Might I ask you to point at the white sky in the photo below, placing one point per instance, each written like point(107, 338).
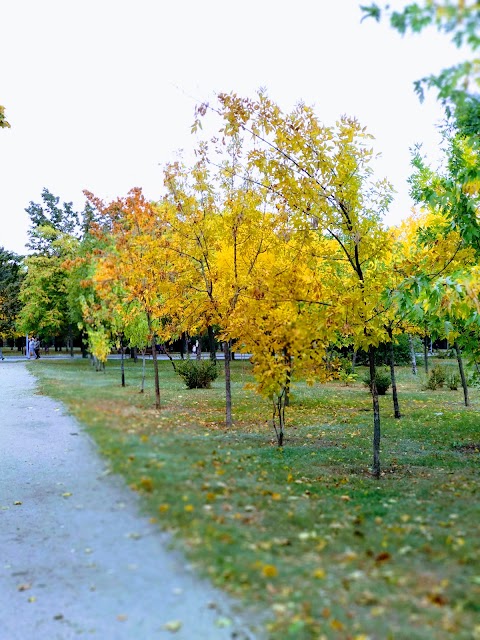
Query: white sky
point(100, 93)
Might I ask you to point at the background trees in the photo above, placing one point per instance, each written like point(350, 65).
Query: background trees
point(11, 276)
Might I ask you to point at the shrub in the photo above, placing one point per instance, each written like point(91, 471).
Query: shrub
point(436, 378)
point(197, 374)
point(453, 380)
point(382, 381)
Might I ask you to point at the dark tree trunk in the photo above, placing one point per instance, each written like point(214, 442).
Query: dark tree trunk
point(155, 363)
point(396, 405)
point(122, 360)
point(279, 404)
point(425, 353)
point(288, 360)
point(462, 373)
point(211, 343)
point(142, 388)
point(354, 360)
point(376, 414)
point(70, 338)
point(413, 357)
point(228, 385)
point(183, 346)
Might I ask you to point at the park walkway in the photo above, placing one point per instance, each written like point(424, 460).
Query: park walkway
point(77, 558)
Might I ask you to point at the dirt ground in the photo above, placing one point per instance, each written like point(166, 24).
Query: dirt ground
point(78, 560)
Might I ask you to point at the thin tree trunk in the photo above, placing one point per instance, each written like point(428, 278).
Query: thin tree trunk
point(211, 343)
point(425, 353)
point(413, 357)
point(144, 351)
point(70, 337)
point(288, 360)
point(279, 411)
point(228, 385)
point(198, 352)
point(396, 405)
point(376, 414)
point(155, 363)
point(122, 360)
point(354, 360)
point(462, 373)
point(183, 346)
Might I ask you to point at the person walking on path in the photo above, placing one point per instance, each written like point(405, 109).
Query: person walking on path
point(31, 347)
point(77, 558)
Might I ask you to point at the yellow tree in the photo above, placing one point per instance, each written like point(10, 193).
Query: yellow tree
point(322, 178)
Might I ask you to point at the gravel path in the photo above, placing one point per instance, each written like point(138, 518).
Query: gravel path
point(77, 560)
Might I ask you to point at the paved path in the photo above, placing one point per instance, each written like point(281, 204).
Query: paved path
point(76, 558)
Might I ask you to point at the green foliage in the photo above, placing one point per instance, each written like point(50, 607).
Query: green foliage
point(197, 374)
point(11, 276)
point(382, 381)
point(346, 374)
point(452, 380)
point(436, 378)
point(4, 124)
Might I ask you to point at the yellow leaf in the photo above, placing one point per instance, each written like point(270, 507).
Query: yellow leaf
point(269, 570)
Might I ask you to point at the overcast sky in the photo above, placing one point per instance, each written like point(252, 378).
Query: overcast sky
point(100, 93)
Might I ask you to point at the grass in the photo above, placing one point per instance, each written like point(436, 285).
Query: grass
point(304, 533)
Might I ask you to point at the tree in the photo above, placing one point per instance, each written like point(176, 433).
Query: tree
point(460, 21)
point(11, 276)
point(50, 306)
point(4, 124)
point(129, 259)
point(320, 177)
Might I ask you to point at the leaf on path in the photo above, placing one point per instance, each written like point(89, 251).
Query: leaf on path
point(223, 622)
point(122, 617)
point(67, 494)
point(173, 626)
point(24, 587)
point(17, 502)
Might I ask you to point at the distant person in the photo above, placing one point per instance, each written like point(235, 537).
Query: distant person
point(36, 347)
point(31, 347)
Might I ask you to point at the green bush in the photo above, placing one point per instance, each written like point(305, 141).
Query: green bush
point(453, 380)
point(436, 378)
point(197, 374)
point(382, 381)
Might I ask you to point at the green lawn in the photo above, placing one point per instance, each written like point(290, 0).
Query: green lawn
point(304, 533)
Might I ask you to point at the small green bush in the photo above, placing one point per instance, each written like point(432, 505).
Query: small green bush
point(436, 378)
point(453, 380)
point(197, 374)
point(382, 381)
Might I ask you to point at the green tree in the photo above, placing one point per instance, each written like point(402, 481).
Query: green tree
point(4, 124)
point(11, 276)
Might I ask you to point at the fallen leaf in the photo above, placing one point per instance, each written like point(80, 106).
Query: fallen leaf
point(173, 626)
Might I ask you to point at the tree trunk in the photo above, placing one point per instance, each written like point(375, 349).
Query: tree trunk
point(354, 360)
point(70, 337)
point(462, 373)
point(279, 412)
point(122, 360)
point(228, 386)
point(288, 360)
point(396, 405)
point(413, 357)
point(211, 343)
point(376, 414)
point(142, 388)
point(198, 352)
point(425, 353)
point(155, 363)
point(183, 346)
